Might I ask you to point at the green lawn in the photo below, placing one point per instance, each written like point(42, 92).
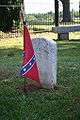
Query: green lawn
point(60, 104)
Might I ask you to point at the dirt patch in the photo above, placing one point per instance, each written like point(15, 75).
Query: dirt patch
point(34, 86)
point(28, 87)
point(11, 54)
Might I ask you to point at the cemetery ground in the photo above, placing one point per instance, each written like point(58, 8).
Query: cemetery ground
point(60, 104)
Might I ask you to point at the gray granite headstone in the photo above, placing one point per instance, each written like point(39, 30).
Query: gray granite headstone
point(46, 56)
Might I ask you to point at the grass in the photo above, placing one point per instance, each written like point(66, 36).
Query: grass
point(60, 104)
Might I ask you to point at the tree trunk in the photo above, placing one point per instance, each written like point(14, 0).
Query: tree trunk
point(56, 13)
point(66, 11)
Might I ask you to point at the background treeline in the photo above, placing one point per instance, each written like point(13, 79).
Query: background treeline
point(49, 18)
point(40, 18)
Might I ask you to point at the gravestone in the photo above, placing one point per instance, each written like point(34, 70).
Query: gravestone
point(46, 55)
point(63, 31)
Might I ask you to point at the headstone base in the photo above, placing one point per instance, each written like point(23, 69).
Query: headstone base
point(63, 36)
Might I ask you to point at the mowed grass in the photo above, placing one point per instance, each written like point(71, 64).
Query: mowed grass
point(60, 104)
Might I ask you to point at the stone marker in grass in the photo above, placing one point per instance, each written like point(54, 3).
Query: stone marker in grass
point(46, 56)
point(39, 60)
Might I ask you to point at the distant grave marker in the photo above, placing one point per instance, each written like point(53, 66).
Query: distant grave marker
point(63, 31)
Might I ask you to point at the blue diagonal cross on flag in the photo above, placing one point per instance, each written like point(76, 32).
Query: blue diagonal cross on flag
point(28, 66)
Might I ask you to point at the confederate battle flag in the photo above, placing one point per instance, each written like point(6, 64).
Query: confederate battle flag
point(29, 66)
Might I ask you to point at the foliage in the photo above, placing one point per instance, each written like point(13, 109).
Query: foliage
point(40, 18)
point(9, 14)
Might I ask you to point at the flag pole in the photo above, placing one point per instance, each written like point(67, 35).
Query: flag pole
point(22, 14)
point(29, 66)
point(22, 18)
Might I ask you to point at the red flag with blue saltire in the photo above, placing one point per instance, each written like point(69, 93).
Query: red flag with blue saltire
point(29, 67)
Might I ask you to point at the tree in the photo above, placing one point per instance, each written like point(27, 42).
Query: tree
point(66, 10)
point(8, 14)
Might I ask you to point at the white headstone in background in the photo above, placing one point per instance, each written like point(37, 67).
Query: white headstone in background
point(46, 56)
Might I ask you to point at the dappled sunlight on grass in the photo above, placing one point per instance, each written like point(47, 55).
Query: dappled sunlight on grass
point(75, 35)
point(11, 43)
point(49, 35)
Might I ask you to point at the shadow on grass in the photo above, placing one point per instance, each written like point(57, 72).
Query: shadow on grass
point(10, 62)
point(10, 52)
point(70, 40)
point(75, 40)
